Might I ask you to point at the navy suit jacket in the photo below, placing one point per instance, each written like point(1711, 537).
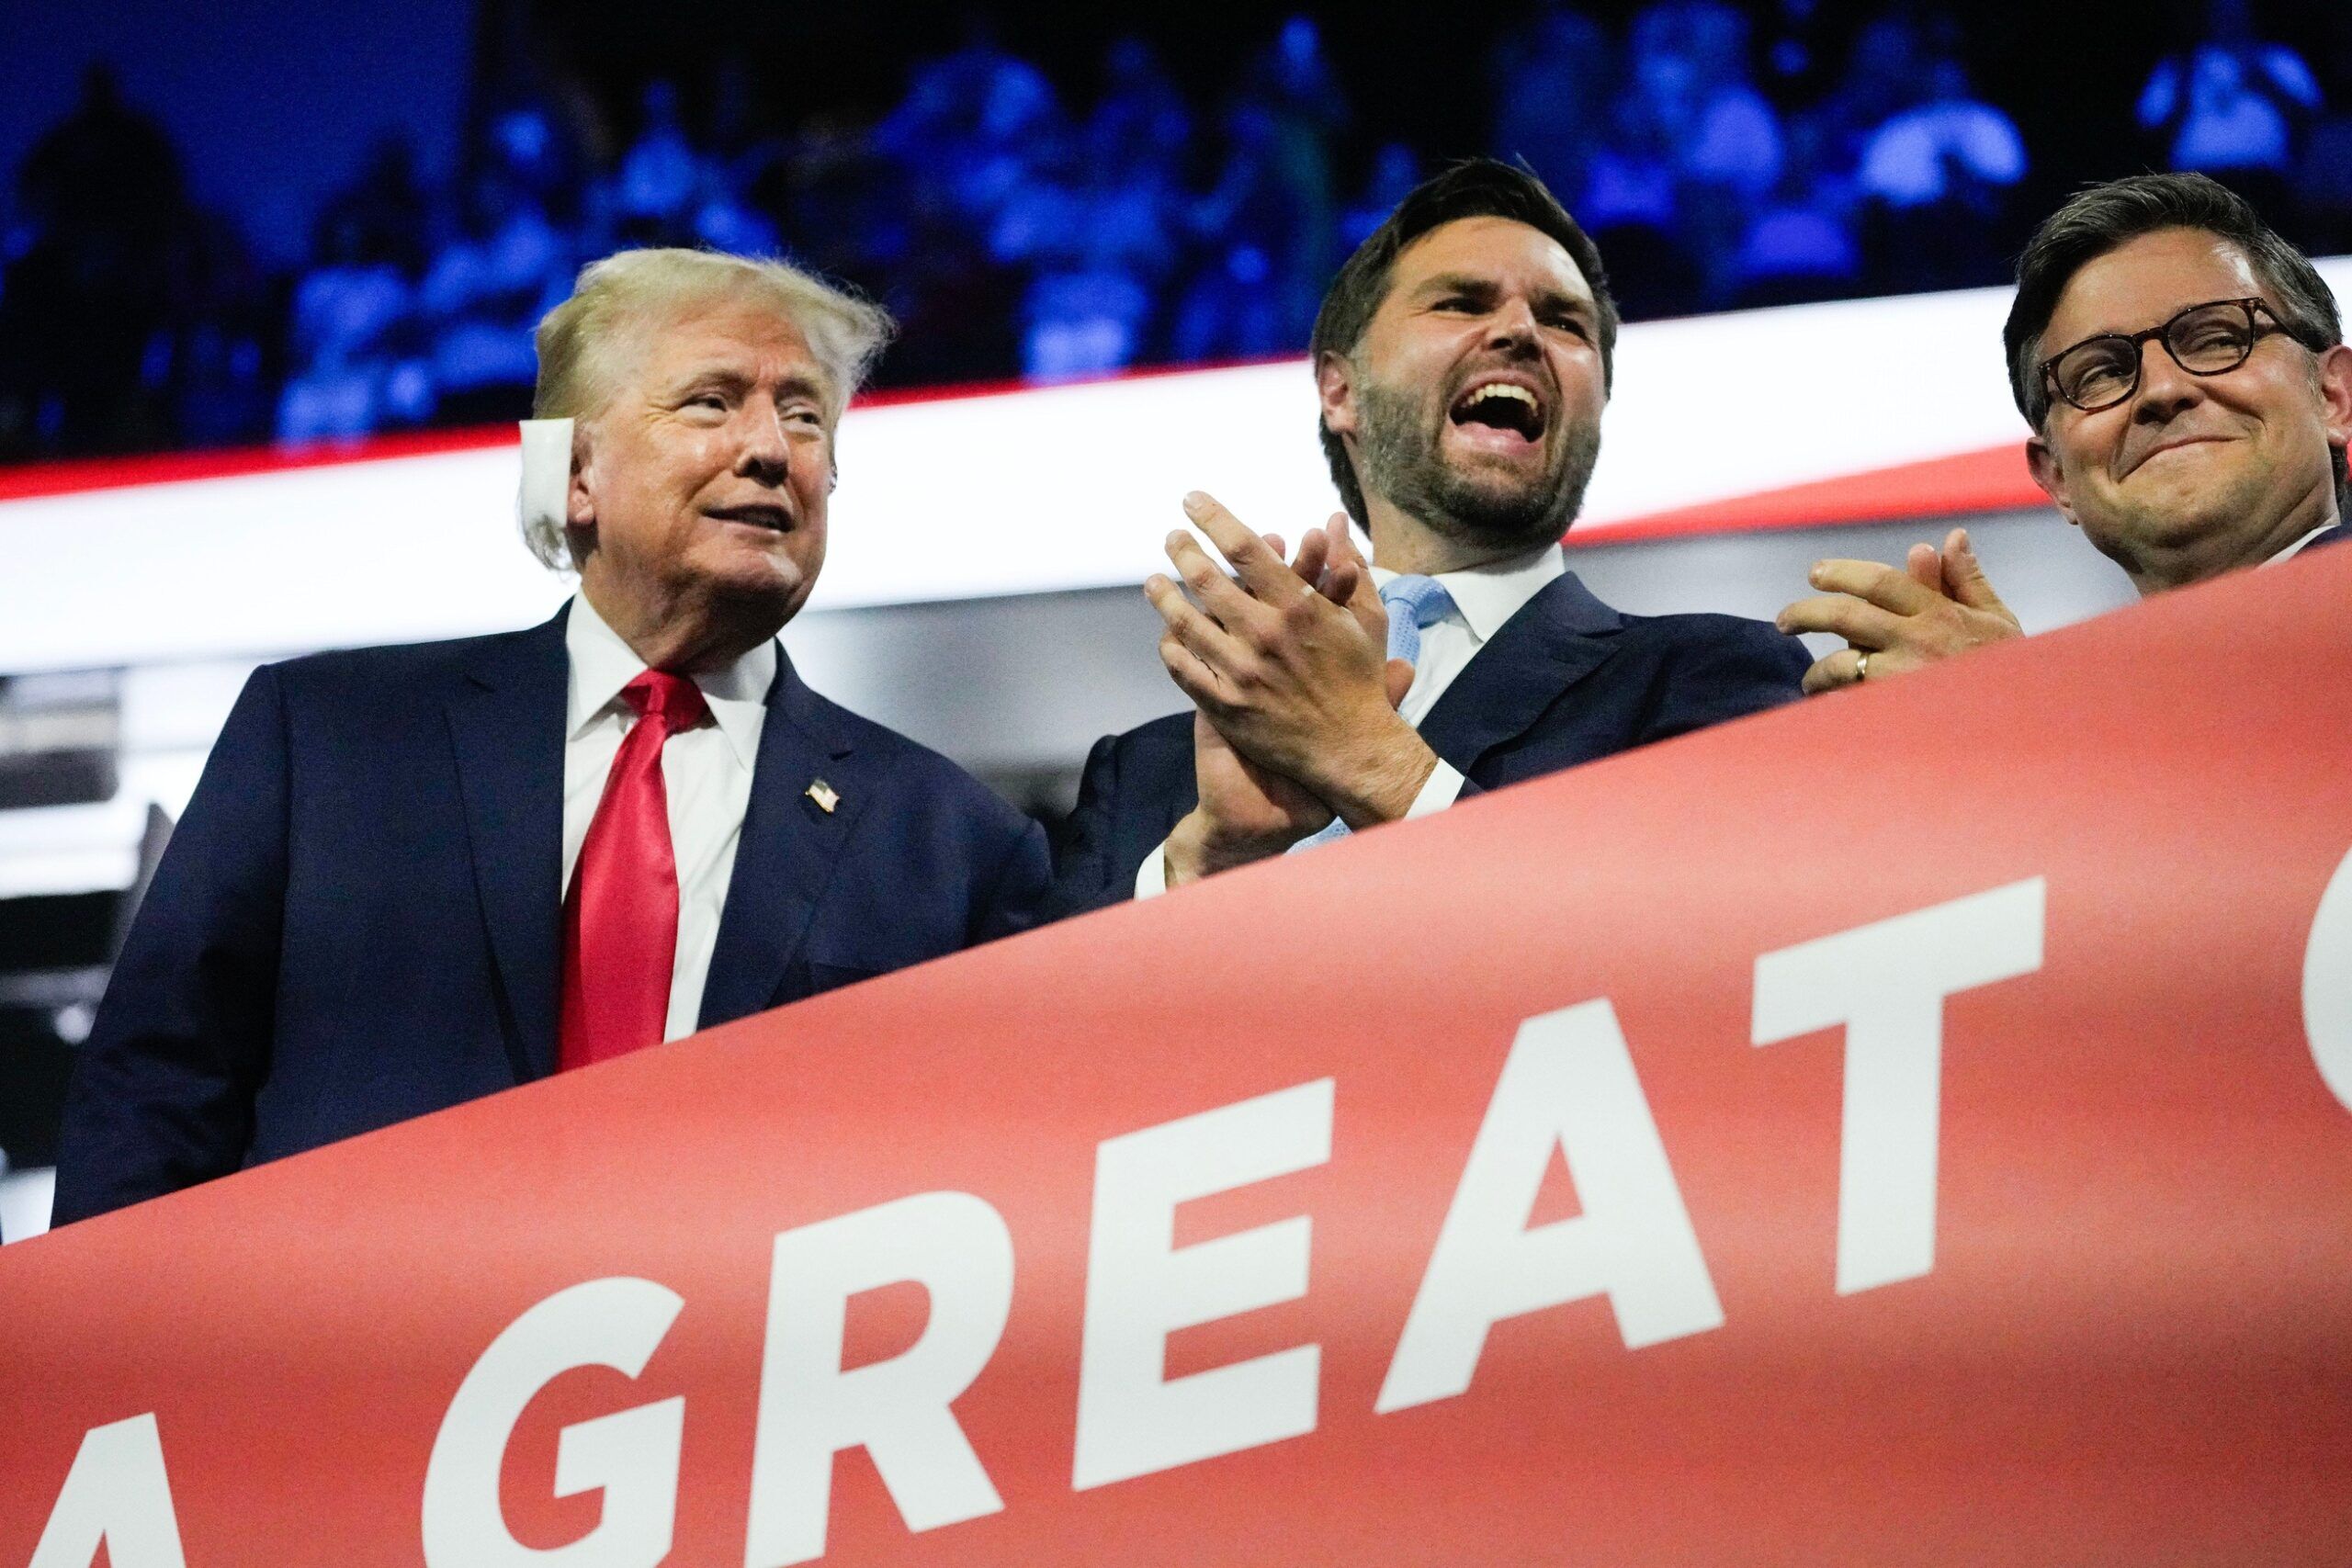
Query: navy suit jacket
point(358, 920)
point(1565, 681)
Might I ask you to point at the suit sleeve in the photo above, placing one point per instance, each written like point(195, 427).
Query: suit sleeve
point(162, 1095)
point(1013, 899)
point(1083, 876)
point(1744, 667)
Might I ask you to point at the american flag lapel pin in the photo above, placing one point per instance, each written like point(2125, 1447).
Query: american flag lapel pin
point(825, 796)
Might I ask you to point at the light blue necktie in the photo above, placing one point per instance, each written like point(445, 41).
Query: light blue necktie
point(1413, 602)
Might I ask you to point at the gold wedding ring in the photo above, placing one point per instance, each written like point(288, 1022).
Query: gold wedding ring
point(1862, 668)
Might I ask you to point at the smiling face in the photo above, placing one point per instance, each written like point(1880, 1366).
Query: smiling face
point(699, 492)
point(2191, 476)
point(1472, 403)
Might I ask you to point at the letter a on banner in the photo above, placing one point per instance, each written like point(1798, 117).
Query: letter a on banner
point(118, 1495)
point(958, 1250)
point(1886, 983)
point(1568, 1083)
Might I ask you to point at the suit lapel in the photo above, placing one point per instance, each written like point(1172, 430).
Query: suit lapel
point(1557, 640)
point(507, 730)
point(788, 849)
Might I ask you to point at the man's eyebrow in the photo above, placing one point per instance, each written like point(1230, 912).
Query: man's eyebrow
point(802, 385)
point(718, 376)
point(727, 379)
point(1478, 288)
point(1468, 283)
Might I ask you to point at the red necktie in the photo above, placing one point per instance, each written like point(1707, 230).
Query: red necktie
point(620, 921)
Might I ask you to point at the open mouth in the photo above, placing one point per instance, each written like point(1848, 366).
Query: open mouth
point(756, 514)
point(1512, 413)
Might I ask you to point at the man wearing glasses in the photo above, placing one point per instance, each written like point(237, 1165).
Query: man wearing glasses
point(2185, 373)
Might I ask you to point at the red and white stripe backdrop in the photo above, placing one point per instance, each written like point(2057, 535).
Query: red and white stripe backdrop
point(1807, 414)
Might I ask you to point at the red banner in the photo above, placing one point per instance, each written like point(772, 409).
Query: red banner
point(1913, 1127)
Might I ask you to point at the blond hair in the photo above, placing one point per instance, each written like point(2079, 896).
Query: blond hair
point(579, 341)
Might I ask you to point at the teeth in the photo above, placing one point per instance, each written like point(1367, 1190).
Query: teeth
point(1504, 389)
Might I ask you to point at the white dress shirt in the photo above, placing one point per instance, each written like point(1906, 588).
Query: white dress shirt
point(706, 773)
point(1483, 598)
point(2291, 551)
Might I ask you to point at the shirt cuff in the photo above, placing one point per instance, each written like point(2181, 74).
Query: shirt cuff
point(1440, 791)
point(1151, 877)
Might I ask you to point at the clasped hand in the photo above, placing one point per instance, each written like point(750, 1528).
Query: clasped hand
point(1938, 604)
point(1296, 700)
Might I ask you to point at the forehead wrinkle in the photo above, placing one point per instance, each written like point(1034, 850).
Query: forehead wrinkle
point(1455, 283)
point(733, 362)
point(2235, 277)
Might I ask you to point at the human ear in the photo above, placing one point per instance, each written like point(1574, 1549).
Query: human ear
point(2335, 394)
point(2051, 475)
point(1335, 389)
point(580, 498)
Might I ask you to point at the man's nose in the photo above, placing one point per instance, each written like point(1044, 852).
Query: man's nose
point(2164, 387)
point(1513, 326)
point(765, 454)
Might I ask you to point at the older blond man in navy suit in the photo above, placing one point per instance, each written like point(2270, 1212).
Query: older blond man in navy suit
point(415, 875)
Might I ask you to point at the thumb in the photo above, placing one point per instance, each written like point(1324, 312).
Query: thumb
point(1399, 676)
point(1964, 577)
point(1343, 543)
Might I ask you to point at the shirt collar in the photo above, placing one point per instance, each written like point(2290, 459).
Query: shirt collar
point(601, 664)
point(1486, 596)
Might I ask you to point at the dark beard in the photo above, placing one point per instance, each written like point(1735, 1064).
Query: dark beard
point(1401, 461)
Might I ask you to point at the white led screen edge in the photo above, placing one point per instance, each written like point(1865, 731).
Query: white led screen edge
point(966, 497)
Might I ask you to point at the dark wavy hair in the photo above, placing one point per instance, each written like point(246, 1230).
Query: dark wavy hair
point(1476, 188)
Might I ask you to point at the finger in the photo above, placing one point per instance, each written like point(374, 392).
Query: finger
point(1262, 572)
point(1218, 593)
point(1400, 677)
point(1192, 677)
point(1211, 643)
point(1340, 582)
point(1925, 567)
point(1314, 558)
point(1370, 613)
point(1343, 539)
point(1880, 585)
point(1343, 557)
point(1843, 668)
point(1840, 614)
point(1964, 576)
point(1274, 543)
point(1361, 598)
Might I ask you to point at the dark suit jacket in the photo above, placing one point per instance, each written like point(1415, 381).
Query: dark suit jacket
point(358, 920)
point(1565, 681)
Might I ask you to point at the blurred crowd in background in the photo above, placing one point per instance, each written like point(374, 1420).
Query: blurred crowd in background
point(1026, 219)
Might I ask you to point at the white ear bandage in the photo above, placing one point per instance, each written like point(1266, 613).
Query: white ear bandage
point(545, 495)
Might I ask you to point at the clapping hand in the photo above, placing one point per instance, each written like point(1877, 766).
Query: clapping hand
point(1940, 605)
point(1243, 657)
